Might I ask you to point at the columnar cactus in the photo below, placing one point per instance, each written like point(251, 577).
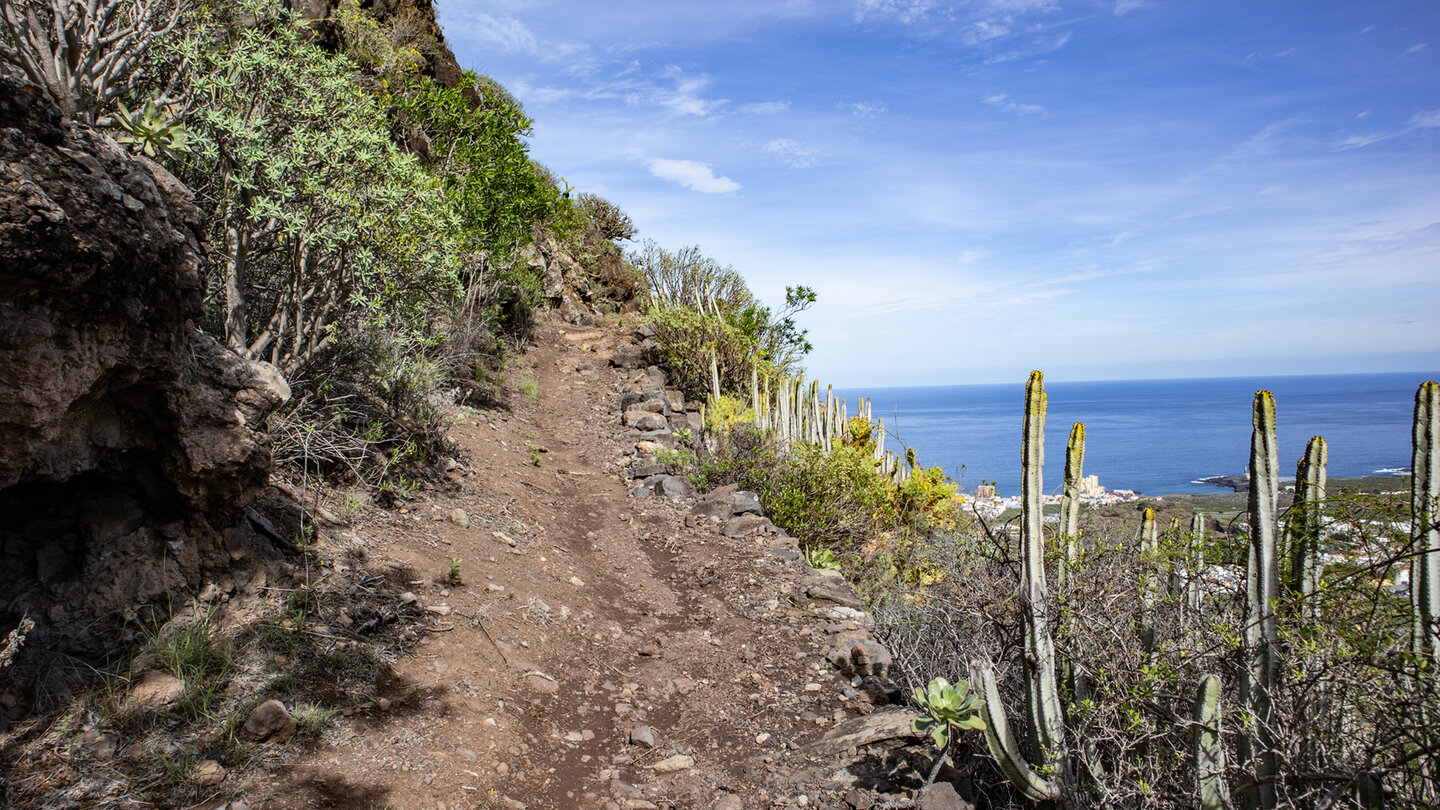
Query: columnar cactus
point(1003, 746)
point(1209, 749)
point(1303, 528)
point(1042, 692)
point(1070, 502)
point(1425, 520)
point(755, 404)
point(1262, 583)
point(714, 377)
point(1149, 554)
point(1195, 560)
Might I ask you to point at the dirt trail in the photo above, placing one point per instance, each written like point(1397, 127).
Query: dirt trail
point(608, 613)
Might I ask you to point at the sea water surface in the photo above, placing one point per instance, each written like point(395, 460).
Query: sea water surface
point(1153, 436)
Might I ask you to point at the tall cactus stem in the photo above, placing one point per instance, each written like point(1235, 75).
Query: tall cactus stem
point(1195, 562)
point(1262, 584)
point(1425, 520)
point(755, 397)
point(1150, 573)
point(1070, 503)
point(1208, 747)
point(714, 377)
point(1303, 528)
point(1042, 691)
point(1003, 746)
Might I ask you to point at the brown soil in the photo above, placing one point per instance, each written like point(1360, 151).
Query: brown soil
point(609, 612)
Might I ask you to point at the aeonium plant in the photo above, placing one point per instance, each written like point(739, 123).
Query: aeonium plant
point(945, 710)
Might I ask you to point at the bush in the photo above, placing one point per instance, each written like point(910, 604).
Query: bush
point(703, 312)
point(838, 501)
point(606, 219)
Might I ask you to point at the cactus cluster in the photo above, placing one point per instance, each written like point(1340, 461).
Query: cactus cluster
point(1046, 775)
point(800, 413)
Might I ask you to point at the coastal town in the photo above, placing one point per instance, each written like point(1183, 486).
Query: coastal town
point(989, 505)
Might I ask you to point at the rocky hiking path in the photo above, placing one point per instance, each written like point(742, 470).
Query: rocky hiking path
point(604, 650)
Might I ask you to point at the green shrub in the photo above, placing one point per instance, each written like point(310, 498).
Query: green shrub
point(606, 218)
point(702, 310)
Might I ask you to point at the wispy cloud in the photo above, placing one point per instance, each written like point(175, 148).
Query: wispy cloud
point(683, 98)
point(1004, 102)
point(1123, 7)
point(1425, 119)
point(863, 109)
point(794, 153)
point(692, 174)
point(507, 33)
point(1414, 49)
point(764, 108)
point(906, 11)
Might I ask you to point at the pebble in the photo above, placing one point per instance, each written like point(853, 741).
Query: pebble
point(679, 762)
point(643, 736)
point(209, 774)
point(459, 518)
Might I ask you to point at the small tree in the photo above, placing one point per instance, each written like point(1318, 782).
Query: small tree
point(606, 218)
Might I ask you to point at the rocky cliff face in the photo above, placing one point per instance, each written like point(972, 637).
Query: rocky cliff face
point(128, 440)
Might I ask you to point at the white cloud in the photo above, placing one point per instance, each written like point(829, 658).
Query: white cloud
point(1425, 119)
point(692, 174)
point(508, 33)
point(794, 153)
point(1414, 49)
point(1004, 102)
point(764, 108)
point(685, 98)
point(863, 109)
point(906, 11)
point(988, 29)
point(1123, 7)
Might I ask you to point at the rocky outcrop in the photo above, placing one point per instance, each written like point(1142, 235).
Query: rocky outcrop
point(121, 426)
point(577, 292)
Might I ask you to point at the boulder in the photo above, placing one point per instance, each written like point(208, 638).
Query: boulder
point(156, 690)
point(270, 722)
point(830, 586)
point(630, 357)
point(644, 421)
point(941, 796)
point(745, 503)
point(744, 525)
point(673, 486)
point(652, 401)
point(862, 731)
point(860, 657)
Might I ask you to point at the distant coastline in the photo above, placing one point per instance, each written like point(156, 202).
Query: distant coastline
point(1154, 436)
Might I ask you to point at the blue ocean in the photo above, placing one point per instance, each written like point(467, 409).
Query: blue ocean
point(1153, 436)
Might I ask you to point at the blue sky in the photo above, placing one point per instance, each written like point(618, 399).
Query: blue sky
point(1101, 190)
